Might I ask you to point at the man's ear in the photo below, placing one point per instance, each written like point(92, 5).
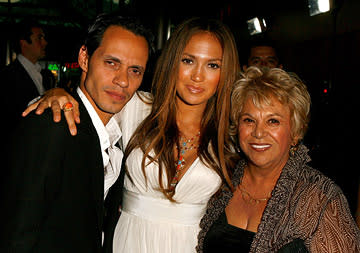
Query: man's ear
point(23, 43)
point(280, 66)
point(83, 58)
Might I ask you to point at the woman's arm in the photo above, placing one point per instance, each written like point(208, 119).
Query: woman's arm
point(337, 230)
point(357, 214)
point(56, 98)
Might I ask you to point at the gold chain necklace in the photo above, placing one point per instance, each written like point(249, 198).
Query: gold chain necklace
point(250, 199)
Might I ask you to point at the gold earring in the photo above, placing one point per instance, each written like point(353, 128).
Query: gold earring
point(293, 149)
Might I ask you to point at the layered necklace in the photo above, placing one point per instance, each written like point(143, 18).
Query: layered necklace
point(185, 145)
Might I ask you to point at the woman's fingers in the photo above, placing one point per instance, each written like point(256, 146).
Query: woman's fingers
point(30, 108)
point(76, 112)
point(69, 116)
point(71, 112)
point(58, 99)
point(56, 109)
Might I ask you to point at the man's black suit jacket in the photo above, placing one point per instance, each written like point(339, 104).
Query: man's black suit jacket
point(53, 192)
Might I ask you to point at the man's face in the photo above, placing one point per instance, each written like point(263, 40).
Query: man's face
point(115, 70)
point(35, 50)
point(263, 56)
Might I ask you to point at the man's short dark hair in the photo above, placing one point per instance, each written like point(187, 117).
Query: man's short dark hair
point(97, 29)
point(24, 31)
point(262, 42)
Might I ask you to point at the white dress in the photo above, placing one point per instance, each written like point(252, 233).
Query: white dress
point(150, 223)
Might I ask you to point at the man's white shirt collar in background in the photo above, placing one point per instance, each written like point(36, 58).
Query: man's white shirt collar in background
point(34, 71)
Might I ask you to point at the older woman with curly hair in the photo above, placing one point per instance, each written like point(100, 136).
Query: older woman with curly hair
point(276, 203)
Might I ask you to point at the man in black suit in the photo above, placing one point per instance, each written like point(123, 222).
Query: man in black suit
point(53, 196)
point(23, 78)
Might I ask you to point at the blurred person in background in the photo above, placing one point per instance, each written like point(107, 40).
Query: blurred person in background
point(263, 53)
point(24, 79)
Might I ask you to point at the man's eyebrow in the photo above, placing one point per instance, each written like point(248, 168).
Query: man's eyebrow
point(117, 60)
point(255, 57)
point(109, 57)
point(141, 68)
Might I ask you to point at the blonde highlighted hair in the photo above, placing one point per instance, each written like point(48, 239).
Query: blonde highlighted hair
point(261, 85)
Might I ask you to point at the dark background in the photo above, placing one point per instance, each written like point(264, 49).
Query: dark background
point(324, 50)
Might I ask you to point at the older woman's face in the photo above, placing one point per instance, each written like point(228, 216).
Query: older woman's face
point(265, 134)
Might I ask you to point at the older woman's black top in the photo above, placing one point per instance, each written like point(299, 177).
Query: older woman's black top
point(223, 237)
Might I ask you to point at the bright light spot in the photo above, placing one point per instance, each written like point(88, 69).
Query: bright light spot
point(264, 23)
point(254, 26)
point(324, 5)
point(318, 6)
point(257, 24)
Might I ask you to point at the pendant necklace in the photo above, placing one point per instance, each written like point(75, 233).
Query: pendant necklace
point(185, 145)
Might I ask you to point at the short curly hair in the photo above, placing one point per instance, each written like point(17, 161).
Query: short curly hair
point(262, 85)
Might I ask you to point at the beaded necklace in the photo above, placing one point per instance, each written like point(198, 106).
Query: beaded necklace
point(185, 145)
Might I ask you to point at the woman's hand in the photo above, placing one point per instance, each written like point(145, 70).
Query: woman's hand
point(56, 98)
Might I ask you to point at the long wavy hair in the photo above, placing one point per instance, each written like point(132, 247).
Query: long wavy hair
point(158, 133)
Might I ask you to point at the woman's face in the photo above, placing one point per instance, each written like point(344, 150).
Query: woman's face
point(199, 70)
point(265, 134)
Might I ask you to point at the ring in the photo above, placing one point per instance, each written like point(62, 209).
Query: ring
point(68, 107)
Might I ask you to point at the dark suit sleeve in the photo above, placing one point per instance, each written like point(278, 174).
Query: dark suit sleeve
point(31, 182)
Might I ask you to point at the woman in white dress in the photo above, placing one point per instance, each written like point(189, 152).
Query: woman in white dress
point(173, 158)
point(176, 139)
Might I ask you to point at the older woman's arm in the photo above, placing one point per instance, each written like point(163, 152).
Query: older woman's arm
point(357, 213)
point(337, 230)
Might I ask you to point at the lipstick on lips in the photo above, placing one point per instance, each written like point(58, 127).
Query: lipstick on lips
point(194, 89)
